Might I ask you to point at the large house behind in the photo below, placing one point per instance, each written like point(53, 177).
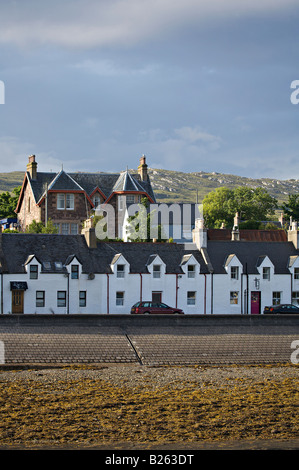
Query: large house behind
point(69, 198)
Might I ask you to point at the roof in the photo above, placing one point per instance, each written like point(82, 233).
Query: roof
point(250, 254)
point(249, 235)
point(51, 248)
point(106, 183)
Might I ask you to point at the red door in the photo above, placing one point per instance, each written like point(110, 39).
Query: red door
point(255, 303)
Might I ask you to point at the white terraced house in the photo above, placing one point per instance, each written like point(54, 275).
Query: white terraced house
point(221, 272)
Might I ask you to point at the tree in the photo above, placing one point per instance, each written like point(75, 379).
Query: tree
point(291, 208)
point(139, 227)
point(8, 203)
point(221, 205)
point(39, 227)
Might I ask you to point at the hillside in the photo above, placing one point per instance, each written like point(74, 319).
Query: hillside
point(175, 186)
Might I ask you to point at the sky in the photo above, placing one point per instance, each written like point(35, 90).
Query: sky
point(194, 85)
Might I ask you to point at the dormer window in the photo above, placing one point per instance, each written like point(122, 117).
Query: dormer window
point(296, 273)
point(120, 270)
point(75, 271)
point(266, 274)
point(156, 271)
point(191, 270)
point(234, 273)
point(33, 271)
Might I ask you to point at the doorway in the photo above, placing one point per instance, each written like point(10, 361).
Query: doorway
point(157, 297)
point(17, 301)
point(255, 303)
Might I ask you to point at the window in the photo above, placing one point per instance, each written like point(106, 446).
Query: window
point(60, 201)
point(69, 199)
point(266, 274)
point(65, 201)
point(33, 271)
point(61, 298)
point(97, 201)
point(121, 202)
point(296, 273)
point(156, 271)
point(295, 298)
point(75, 271)
point(191, 270)
point(130, 199)
point(82, 298)
point(120, 270)
point(191, 298)
point(234, 272)
point(234, 298)
point(276, 298)
point(120, 298)
point(74, 229)
point(65, 229)
point(58, 265)
point(40, 298)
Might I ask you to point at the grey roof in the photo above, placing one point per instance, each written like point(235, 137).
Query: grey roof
point(89, 182)
point(249, 254)
point(53, 248)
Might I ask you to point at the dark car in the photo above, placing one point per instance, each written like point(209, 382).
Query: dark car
point(148, 307)
point(288, 309)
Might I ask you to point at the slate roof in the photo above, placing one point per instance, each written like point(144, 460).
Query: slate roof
point(53, 248)
point(89, 182)
point(250, 253)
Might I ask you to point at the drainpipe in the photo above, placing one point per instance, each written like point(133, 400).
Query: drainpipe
point(176, 290)
point(107, 292)
point(205, 295)
point(212, 290)
point(140, 287)
point(68, 293)
point(1, 292)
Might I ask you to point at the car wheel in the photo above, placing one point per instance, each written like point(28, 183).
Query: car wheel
point(146, 313)
point(176, 313)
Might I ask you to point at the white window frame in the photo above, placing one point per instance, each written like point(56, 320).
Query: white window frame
point(266, 273)
point(296, 273)
point(157, 271)
point(234, 297)
point(276, 297)
point(191, 271)
point(295, 298)
point(60, 201)
point(191, 297)
point(119, 298)
point(120, 271)
point(234, 272)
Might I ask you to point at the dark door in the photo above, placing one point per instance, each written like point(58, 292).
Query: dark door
point(17, 301)
point(255, 303)
point(157, 297)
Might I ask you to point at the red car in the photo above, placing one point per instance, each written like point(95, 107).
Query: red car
point(153, 308)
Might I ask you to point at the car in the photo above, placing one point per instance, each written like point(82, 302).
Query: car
point(147, 307)
point(287, 309)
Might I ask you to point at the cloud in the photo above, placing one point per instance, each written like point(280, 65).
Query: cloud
point(91, 23)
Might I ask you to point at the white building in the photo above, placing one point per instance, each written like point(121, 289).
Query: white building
point(219, 273)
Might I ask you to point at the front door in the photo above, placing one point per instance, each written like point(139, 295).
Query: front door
point(156, 297)
point(255, 303)
point(17, 301)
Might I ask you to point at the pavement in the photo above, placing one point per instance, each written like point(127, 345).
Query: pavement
point(152, 343)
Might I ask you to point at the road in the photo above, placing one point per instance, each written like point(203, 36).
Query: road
point(151, 341)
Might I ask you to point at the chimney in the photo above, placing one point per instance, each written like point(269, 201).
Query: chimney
point(293, 234)
point(89, 234)
point(199, 234)
point(32, 167)
point(235, 230)
point(142, 169)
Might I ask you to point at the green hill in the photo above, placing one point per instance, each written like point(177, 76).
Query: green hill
point(176, 186)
